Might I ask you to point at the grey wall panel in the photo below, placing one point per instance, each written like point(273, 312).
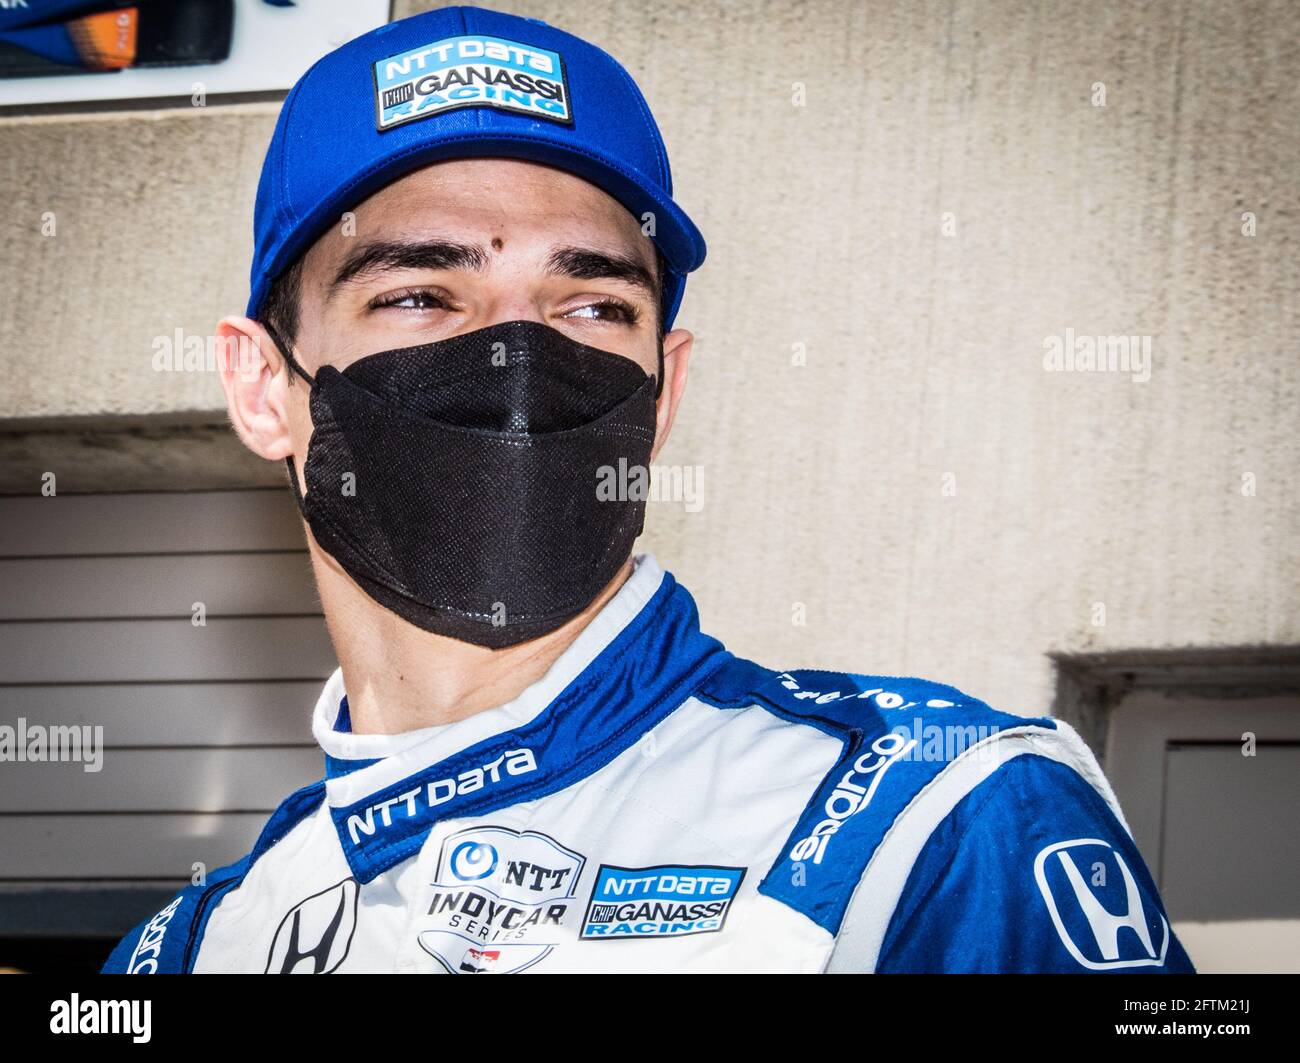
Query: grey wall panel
point(152, 714)
point(183, 522)
point(161, 780)
point(1232, 832)
point(80, 909)
point(63, 651)
point(1147, 723)
point(206, 728)
point(237, 584)
point(150, 846)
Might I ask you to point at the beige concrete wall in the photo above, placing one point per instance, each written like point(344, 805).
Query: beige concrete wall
point(152, 232)
point(824, 484)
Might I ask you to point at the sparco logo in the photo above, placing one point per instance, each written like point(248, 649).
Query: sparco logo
point(850, 797)
point(315, 935)
point(144, 960)
point(413, 802)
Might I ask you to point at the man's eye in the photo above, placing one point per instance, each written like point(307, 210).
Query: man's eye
point(418, 299)
point(606, 310)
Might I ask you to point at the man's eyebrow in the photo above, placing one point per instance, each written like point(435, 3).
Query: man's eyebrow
point(388, 256)
point(586, 263)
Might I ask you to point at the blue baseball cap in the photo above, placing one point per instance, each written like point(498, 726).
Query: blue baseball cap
point(454, 83)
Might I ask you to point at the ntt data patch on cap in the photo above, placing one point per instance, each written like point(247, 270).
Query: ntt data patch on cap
point(667, 901)
point(471, 71)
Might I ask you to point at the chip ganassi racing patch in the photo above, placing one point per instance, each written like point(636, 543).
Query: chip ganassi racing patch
point(471, 71)
point(666, 901)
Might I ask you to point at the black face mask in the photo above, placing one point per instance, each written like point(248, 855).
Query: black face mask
point(457, 482)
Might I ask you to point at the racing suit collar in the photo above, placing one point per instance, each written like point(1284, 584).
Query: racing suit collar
point(637, 661)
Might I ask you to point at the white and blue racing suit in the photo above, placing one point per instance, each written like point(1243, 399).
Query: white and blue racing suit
point(655, 803)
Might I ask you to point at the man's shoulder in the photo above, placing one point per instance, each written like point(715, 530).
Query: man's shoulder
point(890, 718)
point(912, 750)
point(167, 942)
point(841, 702)
point(949, 835)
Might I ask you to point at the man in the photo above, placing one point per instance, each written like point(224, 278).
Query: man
point(466, 273)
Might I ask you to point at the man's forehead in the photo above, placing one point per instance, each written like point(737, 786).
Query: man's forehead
point(505, 190)
point(513, 206)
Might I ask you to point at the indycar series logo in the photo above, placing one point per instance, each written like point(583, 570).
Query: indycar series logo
point(666, 901)
point(500, 899)
point(470, 71)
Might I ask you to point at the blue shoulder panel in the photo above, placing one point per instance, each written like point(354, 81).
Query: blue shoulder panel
point(167, 943)
point(898, 734)
point(1031, 872)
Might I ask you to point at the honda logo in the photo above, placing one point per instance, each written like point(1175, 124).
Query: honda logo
point(1089, 929)
point(315, 935)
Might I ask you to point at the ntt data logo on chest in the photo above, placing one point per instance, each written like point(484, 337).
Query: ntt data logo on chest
point(473, 71)
point(667, 901)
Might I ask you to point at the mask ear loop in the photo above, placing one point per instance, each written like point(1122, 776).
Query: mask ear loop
point(659, 388)
point(287, 354)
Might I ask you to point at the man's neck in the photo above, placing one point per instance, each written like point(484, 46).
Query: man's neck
point(402, 678)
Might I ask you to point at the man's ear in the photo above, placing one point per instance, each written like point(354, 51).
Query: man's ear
point(677, 356)
point(254, 376)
